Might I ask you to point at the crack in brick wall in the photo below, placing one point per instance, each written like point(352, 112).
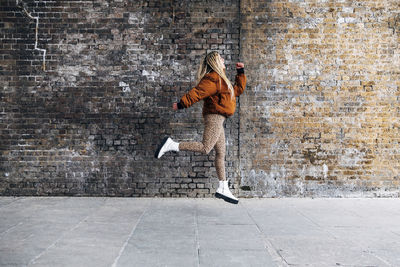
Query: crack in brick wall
point(23, 6)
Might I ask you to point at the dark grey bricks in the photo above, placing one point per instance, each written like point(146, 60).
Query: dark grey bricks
point(88, 124)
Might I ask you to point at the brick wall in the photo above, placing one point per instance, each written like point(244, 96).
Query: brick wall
point(89, 122)
point(319, 116)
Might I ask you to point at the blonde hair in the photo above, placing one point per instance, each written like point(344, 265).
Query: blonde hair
point(210, 63)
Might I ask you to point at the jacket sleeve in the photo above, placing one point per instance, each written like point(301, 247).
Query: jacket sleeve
point(240, 82)
point(206, 87)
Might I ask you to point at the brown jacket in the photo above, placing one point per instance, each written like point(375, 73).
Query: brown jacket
point(213, 89)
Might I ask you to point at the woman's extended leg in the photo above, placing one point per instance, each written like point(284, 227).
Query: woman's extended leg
point(223, 188)
point(220, 156)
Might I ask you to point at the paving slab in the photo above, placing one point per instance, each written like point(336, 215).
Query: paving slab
point(100, 231)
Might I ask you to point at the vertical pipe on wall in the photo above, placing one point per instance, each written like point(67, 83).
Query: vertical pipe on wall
point(238, 102)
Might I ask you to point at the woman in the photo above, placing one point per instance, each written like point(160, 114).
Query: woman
point(219, 97)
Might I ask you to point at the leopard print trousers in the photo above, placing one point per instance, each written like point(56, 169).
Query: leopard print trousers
point(213, 137)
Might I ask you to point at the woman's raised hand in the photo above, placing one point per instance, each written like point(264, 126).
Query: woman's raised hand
point(239, 65)
point(175, 106)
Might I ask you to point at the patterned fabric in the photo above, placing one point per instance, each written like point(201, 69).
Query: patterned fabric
point(213, 137)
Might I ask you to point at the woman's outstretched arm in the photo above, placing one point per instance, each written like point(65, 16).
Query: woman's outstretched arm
point(240, 79)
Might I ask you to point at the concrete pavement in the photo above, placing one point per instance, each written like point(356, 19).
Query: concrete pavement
point(78, 231)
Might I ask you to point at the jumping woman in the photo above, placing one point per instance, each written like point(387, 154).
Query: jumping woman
point(219, 103)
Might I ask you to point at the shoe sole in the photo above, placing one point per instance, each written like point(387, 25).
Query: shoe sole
point(160, 146)
point(227, 199)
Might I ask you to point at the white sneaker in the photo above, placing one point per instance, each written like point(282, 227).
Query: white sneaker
point(166, 145)
point(224, 193)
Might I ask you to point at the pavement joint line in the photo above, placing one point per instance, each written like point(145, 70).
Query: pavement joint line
point(277, 257)
point(130, 235)
point(18, 199)
point(17, 224)
point(395, 233)
point(197, 233)
point(326, 230)
point(372, 253)
point(313, 222)
point(54, 243)
point(9, 229)
point(62, 235)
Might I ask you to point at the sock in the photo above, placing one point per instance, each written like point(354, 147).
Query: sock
point(221, 184)
point(174, 146)
point(226, 185)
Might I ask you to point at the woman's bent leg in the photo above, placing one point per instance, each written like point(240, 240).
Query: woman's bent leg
point(213, 126)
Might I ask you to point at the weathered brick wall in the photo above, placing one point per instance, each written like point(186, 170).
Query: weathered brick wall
point(88, 124)
point(321, 114)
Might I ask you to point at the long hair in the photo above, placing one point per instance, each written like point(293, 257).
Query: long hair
point(209, 63)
